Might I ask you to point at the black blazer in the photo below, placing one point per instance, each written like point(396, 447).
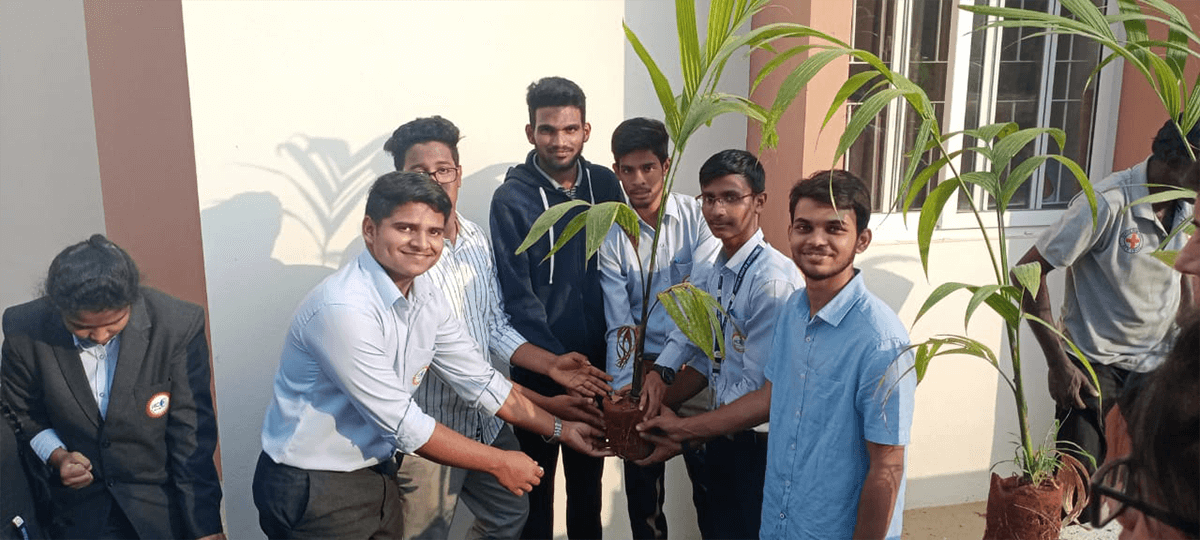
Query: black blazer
point(154, 458)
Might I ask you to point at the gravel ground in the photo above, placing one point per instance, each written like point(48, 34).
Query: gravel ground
point(1079, 532)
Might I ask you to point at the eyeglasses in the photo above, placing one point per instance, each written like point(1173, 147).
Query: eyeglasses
point(1114, 489)
point(725, 200)
point(444, 175)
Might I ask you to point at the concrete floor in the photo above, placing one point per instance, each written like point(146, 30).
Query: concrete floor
point(965, 521)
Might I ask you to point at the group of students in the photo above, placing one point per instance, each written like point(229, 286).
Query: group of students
point(389, 405)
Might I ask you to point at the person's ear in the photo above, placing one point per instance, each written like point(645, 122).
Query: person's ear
point(587, 131)
point(368, 231)
point(529, 133)
point(864, 240)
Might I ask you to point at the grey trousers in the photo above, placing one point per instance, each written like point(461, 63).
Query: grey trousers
point(430, 492)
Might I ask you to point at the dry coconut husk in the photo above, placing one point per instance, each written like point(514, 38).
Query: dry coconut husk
point(1019, 510)
point(620, 419)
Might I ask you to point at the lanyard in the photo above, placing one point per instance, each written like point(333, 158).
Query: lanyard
point(737, 285)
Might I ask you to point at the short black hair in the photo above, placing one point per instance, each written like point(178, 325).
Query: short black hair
point(402, 187)
point(841, 188)
point(640, 134)
point(93, 275)
point(1169, 148)
point(419, 131)
point(733, 161)
point(555, 92)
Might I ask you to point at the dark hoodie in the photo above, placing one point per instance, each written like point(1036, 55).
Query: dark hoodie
point(557, 304)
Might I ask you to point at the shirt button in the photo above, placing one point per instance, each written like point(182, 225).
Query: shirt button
point(112, 483)
point(782, 515)
point(102, 394)
point(793, 447)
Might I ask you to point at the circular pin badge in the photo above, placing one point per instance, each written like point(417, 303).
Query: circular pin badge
point(420, 376)
point(1131, 240)
point(739, 342)
point(158, 405)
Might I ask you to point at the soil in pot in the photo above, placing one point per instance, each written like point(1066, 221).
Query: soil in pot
point(620, 417)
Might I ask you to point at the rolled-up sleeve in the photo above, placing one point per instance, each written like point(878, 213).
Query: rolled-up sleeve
point(350, 347)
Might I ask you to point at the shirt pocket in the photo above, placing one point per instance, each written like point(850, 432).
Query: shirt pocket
point(681, 267)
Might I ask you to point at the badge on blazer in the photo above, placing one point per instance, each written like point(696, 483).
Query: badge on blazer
point(158, 404)
point(1131, 240)
point(420, 376)
point(739, 342)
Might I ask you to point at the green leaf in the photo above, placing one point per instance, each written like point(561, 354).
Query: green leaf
point(693, 311)
point(1029, 276)
point(930, 211)
point(689, 46)
point(982, 294)
point(1071, 345)
point(708, 107)
point(1172, 193)
point(600, 219)
point(627, 219)
point(543, 223)
point(862, 117)
point(938, 294)
point(1007, 147)
point(573, 227)
point(1167, 257)
point(848, 89)
point(662, 87)
point(795, 82)
point(720, 13)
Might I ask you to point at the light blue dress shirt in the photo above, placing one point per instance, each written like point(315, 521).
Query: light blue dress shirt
point(466, 274)
point(99, 364)
point(356, 351)
point(835, 384)
point(685, 238)
point(770, 279)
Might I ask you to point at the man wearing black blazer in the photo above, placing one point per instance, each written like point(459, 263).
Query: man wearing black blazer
point(128, 444)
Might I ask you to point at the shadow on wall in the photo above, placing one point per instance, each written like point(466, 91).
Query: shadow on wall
point(251, 297)
point(334, 187)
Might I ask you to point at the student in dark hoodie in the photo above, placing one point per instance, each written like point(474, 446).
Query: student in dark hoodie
point(557, 304)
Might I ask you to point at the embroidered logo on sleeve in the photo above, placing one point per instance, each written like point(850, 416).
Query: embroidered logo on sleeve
point(420, 376)
point(1131, 240)
point(158, 404)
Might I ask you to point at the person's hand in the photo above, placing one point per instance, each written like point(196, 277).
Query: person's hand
point(576, 409)
point(517, 472)
point(585, 439)
point(653, 390)
point(578, 376)
point(74, 469)
point(1068, 384)
point(218, 536)
point(667, 432)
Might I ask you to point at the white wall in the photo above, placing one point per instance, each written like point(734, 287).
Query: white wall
point(49, 169)
point(291, 103)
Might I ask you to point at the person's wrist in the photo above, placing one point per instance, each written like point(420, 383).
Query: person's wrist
point(556, 434)
point(54, 460)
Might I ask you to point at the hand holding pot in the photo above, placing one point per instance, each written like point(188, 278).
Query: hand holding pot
point(653, 390)
point(575, 408)
point(517, 472)
point(578, 376)
point(584, 439)
point(667, 431)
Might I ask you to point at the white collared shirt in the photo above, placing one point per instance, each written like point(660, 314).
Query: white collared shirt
point(769, 280)
point(466, 274)
point(356, 350)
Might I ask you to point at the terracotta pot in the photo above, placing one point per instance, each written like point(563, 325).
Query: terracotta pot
point(620, 417)
point(1017, 509)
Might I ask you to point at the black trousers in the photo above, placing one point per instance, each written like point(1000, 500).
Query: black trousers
point(300, 503)
point(645, 493)
point(1085, 427)
point(582, 473)
point(727, 484)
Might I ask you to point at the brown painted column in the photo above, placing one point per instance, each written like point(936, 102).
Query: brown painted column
point(803, 147)
point(144, 139)
point(1141, 113)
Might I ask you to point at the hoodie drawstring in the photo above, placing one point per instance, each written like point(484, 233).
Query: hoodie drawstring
point(546, 206)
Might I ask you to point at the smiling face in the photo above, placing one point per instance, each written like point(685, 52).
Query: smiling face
point(557, 135)
point(430, 157)
point(97, 326)
point(407, 243)
point(732, 214)
point(642, 175)
point(824, 242)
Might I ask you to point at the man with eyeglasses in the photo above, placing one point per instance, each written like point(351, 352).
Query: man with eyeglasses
point(466, 274)
point(639, 147)
point(752, 281)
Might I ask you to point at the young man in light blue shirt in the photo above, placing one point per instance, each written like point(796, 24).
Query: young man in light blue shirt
point(360, 343)
point(639, 147)
point(751, 280)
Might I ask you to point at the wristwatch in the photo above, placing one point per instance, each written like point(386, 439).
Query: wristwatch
point(553, 438)
point(667, 374)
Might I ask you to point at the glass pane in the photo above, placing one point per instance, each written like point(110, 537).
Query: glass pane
point(864, 159)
